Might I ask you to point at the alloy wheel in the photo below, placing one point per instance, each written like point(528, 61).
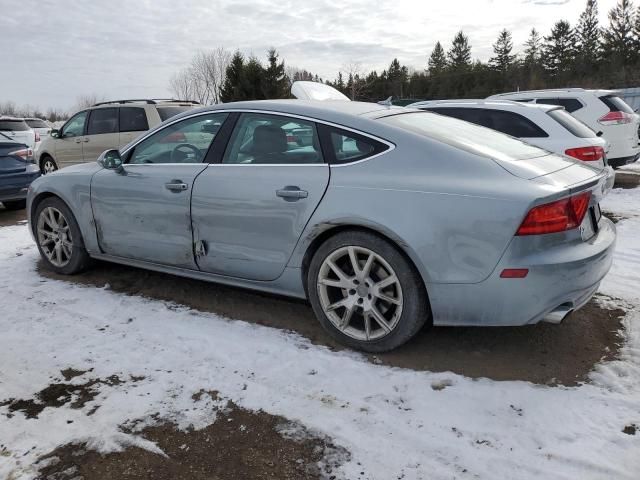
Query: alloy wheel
point(48, 166)
point(54, 236)
point(360, 293)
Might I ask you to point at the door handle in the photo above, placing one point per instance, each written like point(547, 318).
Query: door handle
point(291, 193)
point(176, 186)
point(86, 139)
point(78, 140)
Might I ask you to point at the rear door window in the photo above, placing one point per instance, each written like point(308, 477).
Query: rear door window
point(13, 126)
point(133, 119)
point(571, 123)
point(168, 112)
point(569, 104)
point(348, 147)
point(103, 120)
point(616, 104)
point(510, 123)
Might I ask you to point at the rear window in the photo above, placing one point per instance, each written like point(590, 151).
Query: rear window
point(616, 104)
point(510, 123)
point(569, 104)
point(466, 136)
point(575, 126)
point(13, 126)
point(37, 123)
point(168, 112)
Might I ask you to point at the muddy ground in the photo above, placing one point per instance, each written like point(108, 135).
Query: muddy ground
point(545, 354)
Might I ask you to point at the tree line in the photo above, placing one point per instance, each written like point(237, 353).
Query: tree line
point(586, 54)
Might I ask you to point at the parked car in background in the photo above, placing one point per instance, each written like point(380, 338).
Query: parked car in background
point(104, 126)
point(373, 221)
point(602, 110)
point(546, 126)
point(17, 171)
point(41, 127)
point(17, 129)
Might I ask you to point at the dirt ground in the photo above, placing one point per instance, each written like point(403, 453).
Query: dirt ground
point(238, 445)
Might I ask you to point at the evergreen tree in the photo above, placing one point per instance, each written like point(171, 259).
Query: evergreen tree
point(460, 52)
point(588, 35)
point(619, 42)
point(232, 90)
point(274, 82)
point(533, 49)
point(559, 51)
point(502, 49)
point(636, 30)
point(254, 75)
point(437, 60)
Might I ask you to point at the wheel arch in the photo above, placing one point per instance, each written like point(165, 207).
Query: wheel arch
point(333, 230)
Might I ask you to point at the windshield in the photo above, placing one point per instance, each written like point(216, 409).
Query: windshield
point(13, 126)
point(467, 136)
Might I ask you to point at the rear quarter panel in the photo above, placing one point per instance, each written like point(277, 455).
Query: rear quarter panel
point(453, 213)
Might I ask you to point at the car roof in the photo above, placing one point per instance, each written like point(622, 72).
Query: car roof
point(11, 119)
point(493, 104)
point(554, 91)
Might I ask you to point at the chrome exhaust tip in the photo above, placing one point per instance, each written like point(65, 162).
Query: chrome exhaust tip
point(557, 315)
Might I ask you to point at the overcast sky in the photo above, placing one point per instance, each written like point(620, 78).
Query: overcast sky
point(53, 51)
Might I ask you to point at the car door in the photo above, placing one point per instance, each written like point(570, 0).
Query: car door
point(142, 212)
point(133, 123)
point(249, 210)
point(102, 133)
point(69, 144)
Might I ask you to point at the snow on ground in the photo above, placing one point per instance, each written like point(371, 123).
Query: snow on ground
point(393, 421)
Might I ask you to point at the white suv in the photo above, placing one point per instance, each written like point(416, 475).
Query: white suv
point(546, 126)
point(104, 126)
point(603, 110)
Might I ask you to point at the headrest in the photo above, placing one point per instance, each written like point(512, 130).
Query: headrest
point(269, 139)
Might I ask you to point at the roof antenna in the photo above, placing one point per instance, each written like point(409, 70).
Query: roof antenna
point(387, 102)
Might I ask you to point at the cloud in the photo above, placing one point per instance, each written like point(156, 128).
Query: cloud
point(57, 50)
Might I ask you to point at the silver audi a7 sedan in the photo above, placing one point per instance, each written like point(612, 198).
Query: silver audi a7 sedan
point(384, 218)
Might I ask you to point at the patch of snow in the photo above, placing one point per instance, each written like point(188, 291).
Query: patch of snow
point(394, 422)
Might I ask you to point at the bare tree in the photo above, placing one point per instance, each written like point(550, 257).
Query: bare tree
point(88, 100)
point(202, 80)
point(356, 83)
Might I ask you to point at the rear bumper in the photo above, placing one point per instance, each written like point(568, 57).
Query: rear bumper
point(15, 186)
point(620, 161)
point(562, 278)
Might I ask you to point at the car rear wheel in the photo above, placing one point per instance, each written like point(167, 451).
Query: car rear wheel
point(15, 205)
point(365, 293)
point(58, 237)
point(48, 165)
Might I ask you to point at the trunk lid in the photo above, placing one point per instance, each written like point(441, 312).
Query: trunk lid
point(11, 164)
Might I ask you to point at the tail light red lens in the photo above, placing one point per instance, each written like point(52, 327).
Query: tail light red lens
point(615, 118)
point(25, 154)
point(586, 154)
point(37, 136)
point(514, 273)
point(557, 216)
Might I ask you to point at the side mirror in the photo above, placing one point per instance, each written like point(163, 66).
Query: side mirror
point(111, 160)
point(55, 133)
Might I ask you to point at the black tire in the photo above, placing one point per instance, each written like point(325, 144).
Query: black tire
point(415, 309)
point(15, 205)
point(79, 259)
point(47, 159)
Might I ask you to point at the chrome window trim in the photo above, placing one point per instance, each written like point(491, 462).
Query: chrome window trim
point(389, 144)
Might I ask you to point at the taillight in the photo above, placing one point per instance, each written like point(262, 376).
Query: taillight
point(37, 136)
point(615, 118)
point(291, 139)
point(557, 216)
point(25, 154)
point(586, 154)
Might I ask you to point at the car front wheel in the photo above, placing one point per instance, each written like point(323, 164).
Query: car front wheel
point(58, 237)
point(365, 293)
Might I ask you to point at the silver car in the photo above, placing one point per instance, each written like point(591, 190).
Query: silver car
point(387, 219)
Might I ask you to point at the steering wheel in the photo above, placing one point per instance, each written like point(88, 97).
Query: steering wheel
point(193, 148)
